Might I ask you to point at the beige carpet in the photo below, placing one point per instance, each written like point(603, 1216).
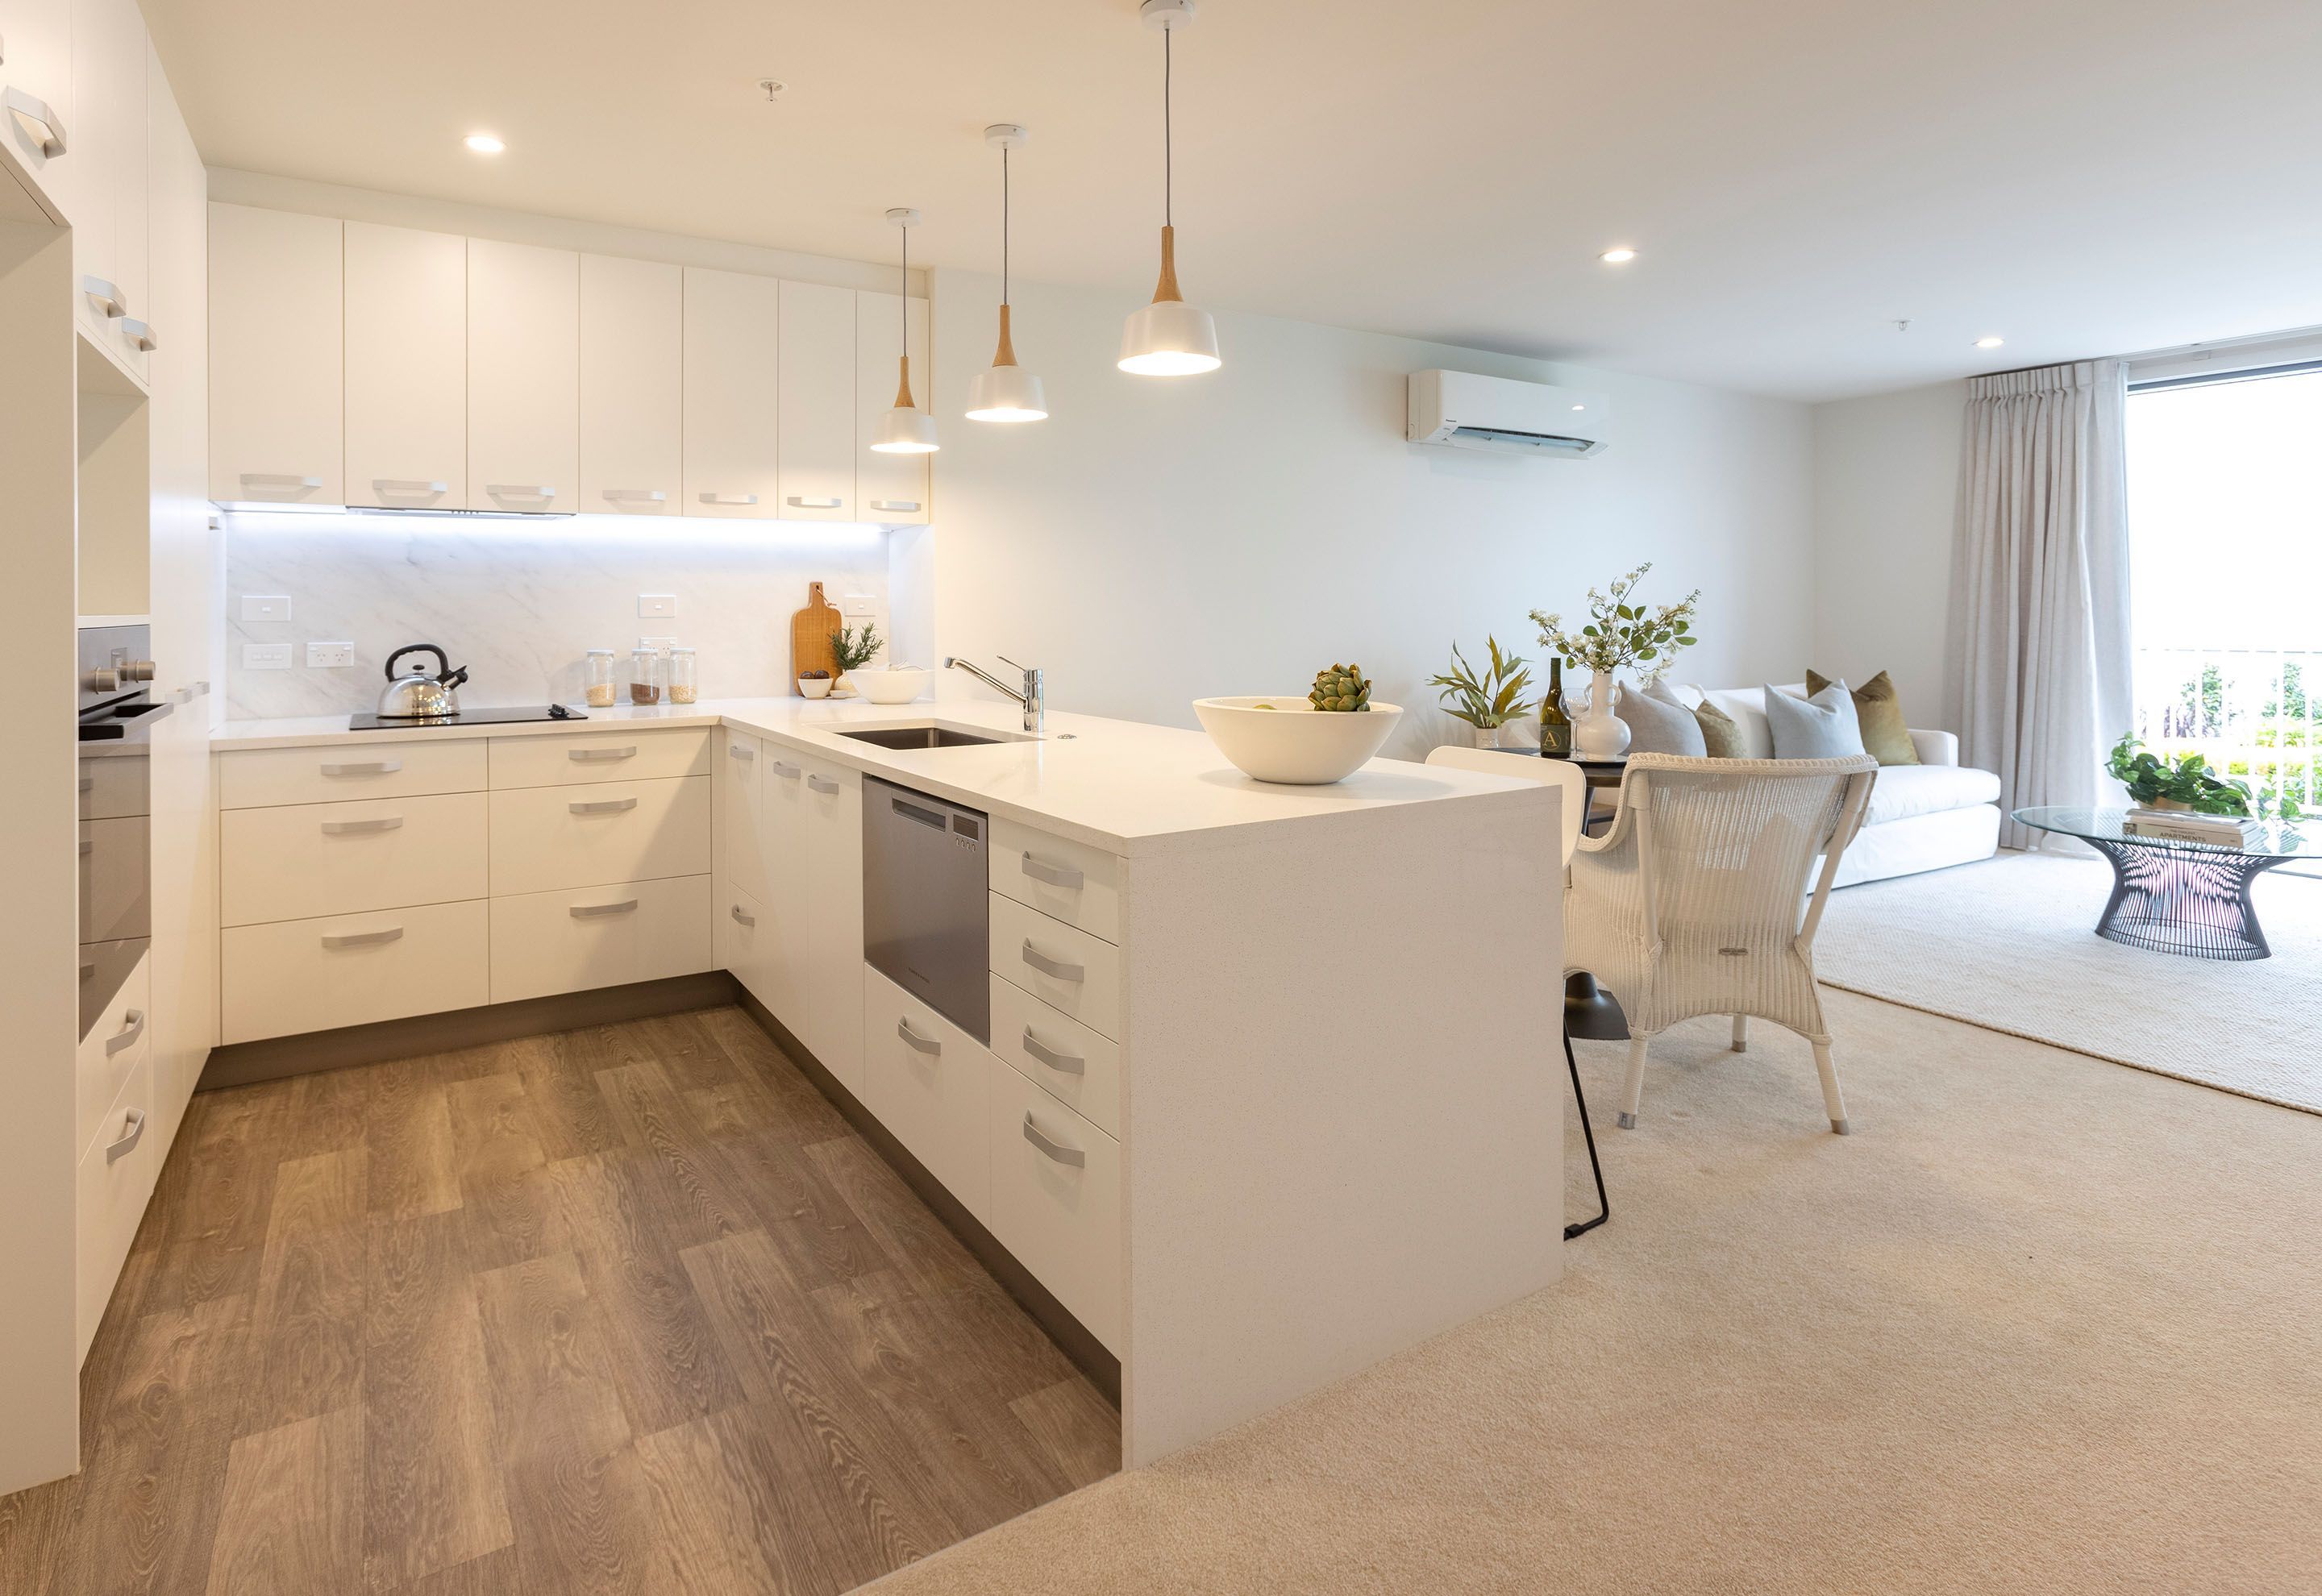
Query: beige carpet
point(2011, 944)
point(2042, 1325)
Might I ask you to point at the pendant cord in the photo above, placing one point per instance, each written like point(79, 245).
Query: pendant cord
point(1169, 150)
point(1003, 224)
point(903, 293)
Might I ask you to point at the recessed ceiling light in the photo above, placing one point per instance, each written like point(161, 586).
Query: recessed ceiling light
point(1580, 407)
point(1620, 255)
point(1989, 342)
point(484, 143)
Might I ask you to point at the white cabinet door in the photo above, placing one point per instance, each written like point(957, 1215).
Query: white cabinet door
point(524, 378)
point(927, 1080)
point(632, 387)
point(816, 393)
point(732, 341)
point(108, 200)
point(741, 845)
point(787, 837)
point(407, 415)
point(894, 487)
point(584, 938)
point(277, 343)
point(833, 956)
point(36, 76)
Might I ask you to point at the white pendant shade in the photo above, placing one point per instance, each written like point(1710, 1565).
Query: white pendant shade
point(1006, 393)
point(1169, 338)
point(906, 430)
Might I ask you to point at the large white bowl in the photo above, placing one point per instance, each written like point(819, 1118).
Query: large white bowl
point(1293, 742)
point(888, 686)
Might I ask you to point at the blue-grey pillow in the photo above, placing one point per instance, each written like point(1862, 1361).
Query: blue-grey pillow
point(1659, 722)
point(1821, 727)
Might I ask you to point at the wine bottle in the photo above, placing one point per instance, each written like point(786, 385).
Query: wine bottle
point(1555, 725)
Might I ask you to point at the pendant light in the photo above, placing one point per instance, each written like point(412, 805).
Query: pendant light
point(906, 429)
point(1168, 338)
point(1005, 391)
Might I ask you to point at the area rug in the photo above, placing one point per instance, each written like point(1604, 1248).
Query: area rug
point(2010, 944)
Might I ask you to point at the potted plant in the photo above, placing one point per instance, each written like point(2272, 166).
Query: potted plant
point(1487, 703)
point(852, 648)
point(1617, 633)
point(2186, 783)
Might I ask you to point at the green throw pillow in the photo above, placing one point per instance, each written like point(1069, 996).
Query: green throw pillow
point(1718, 731)
point(1885, 738)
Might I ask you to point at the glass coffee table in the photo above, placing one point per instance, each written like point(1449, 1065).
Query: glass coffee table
point(2179, 896)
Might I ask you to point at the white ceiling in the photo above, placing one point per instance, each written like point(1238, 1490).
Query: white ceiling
point(2084, 176)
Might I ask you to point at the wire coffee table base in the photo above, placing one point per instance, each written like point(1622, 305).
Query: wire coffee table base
point(2191, 900)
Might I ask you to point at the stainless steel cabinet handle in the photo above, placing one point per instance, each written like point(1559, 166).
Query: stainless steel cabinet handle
point(279, 479)
point(133, 1131)
point(518, 490)
point(1056, 875)
point(744, 919)
point(730, 498)
point(927, 1045)
point(788, 773)
point(1046, 965)
point(800, 503)
point(36, 113)
point(86, 783)
point(88, 846)
point(895, 504)
point(1063, 1064)
point(603, 807)
point(596, 756)
point(363, 939)
point(105, 295)
point(140, 333)
point(819, 785)
point(412, 485)
point(132, 1026)
point(636, 496)
point(377, 767)
point(741, 751)
point(340, 828)
point(583, 911)
point(1055, 1149)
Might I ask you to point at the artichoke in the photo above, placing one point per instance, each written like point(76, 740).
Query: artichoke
point(1340, 688)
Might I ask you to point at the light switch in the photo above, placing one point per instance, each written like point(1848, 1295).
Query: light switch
point(330, 656)
point(266, 656)
point(859, 606)
point(656, 606)
point(266, 606)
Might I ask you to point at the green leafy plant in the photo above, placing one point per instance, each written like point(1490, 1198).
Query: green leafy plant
point(1618, 633)
point(1340, 688)
point(2185, 782)
point(855, 647)
point(1491, 700)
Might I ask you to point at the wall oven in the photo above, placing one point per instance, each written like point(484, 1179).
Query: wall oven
point(117, 713)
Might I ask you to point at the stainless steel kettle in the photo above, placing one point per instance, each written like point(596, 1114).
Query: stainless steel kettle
point(416, 696)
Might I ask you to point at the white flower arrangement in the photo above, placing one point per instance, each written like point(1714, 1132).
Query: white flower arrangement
point(1618, 633)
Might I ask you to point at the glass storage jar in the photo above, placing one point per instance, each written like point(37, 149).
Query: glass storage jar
point(599, 678)
point(645, 676)
point(684, 676)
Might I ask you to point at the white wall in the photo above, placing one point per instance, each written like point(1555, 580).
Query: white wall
point(1885, 472)
point(1157, 540)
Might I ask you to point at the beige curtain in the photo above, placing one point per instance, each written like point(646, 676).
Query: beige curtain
point(2043, 582)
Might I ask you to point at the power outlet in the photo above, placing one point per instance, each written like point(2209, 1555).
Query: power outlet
point(330, 656)
point(660, 645)
point(656, 606)
point(266, 606)
point(266, 656)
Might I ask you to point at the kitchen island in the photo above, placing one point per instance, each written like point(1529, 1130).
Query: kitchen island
point(1293, 1109)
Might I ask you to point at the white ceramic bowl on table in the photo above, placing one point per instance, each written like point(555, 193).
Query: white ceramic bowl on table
point(1292, 742)
point(890, 686)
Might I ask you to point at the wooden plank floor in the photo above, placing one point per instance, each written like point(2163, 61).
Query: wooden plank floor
point(628, 1308)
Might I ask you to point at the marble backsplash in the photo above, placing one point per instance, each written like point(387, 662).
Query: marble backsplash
point(519, 602)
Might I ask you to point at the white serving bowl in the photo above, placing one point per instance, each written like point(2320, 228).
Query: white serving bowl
point(1293, 742)
point(814, 686)
point(890, 686)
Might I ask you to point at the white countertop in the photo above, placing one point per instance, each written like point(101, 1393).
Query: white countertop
point(1124, 785)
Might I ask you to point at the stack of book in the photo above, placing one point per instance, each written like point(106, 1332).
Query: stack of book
point(2182, 826)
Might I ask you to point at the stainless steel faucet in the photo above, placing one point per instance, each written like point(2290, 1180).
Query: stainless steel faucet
point(1033, 697)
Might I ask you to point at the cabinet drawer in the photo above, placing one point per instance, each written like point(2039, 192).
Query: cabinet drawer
point(261, 777)
point(114, 787)
point(1056, 1201)
point(1065, 880)
point(1075, 1064)
point(926, 1080)
point(600, 756)
point(1064, 967)
point(115, 1045)
point(548, 838)
point(115, 1178)
point(305, 860)
point(294, 976)
point(570, 941)
point(749, 943)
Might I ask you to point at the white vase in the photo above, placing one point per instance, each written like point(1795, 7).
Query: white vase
point(1598, 733)
point(1488, 736)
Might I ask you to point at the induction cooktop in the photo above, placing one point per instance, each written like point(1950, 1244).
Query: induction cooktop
point(472, 717)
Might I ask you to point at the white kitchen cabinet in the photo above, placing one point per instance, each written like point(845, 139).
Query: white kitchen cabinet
point(1070, 969)
point(1063, 880)
point(927, 1080)
point(582, 938)
point(115, 1179)
point(1077, 1066)
point(733, 335)
point(832, 965)
point(108, 204)
point(547, 838)
point(524, 378)
point(407, 368)
point(120, 1039)
point(276, 357)
point(632, 387)
point(297, 862)
point(786, 834)
point(257, 778)
point(37, 116)
point(746, 941)
point(816, 400)
point(1056, 1199)
point(294, 976)
point(894, 486)
point(742, 852)
point(600, 756)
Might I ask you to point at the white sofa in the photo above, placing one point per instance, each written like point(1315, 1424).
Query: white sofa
point(1923, 817)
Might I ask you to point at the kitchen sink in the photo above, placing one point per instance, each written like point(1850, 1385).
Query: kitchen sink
point(924, 737)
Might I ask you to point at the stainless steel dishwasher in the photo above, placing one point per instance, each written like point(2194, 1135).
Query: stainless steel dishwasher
point(924, 912)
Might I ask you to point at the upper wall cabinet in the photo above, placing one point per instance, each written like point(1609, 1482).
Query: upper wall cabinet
point(524, 378)
point(107, 199)
point(277, 363)
point(407, 339)
point(632, 387)
point(816, 394)
point(732, 349)
point(894, 486)
point(37, 120)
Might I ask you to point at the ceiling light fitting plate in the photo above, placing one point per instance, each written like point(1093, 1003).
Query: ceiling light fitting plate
point(903, 216)
point(1167, 14)
point(1007, 135)
point(772, 87)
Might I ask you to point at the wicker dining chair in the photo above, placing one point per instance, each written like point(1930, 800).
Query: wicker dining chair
point(1696, 901)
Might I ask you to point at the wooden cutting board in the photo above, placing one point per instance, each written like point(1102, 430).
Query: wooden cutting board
point(811, 630)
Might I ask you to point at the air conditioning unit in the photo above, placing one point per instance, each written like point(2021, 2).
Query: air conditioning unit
point(1464, 411)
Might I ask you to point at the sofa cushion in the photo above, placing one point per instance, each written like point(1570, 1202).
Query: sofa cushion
point(1879, 712)
point(1746, 708)
point(1821, 727)
point(1659, 722)
point(1902, 791)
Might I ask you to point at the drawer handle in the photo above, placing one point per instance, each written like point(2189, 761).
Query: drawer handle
point(636, 496)
point(1048, 965)
point(1056, 875)
point(740, 919)
point(520, 490)
point(377, 767)
point(1063, 1064)
point(1055, 1150)
point(927, 1045)
point(340, 828)
point(105, 296)
point(598, 756)
point(132, 1026)
point(140, 335)
point(88, 847)
point(788, 773)
point(730, 498)
point(907, 505)
point(133, 1131)
point(582, 911)
point(819, 785)
point(280, 479)
point(603, 807)
point(808, 501)
point(363, 939)
point(85, 783)
point(413, 485)
point(741, 751)
point(36, 113)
